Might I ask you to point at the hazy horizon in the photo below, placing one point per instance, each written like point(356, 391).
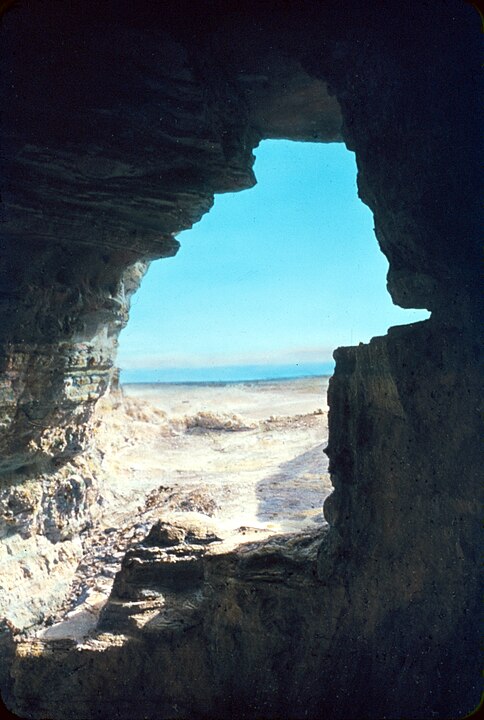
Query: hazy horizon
point(227, 374)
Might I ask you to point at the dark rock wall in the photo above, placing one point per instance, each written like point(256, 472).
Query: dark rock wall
point(118, 128)
point(107, 153)
point(404, 518)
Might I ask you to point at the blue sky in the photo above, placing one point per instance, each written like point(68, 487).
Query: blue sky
point(275, 276)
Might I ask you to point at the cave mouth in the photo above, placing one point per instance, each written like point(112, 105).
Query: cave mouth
point(151, 463)
point(226, 359)
point(118, 135)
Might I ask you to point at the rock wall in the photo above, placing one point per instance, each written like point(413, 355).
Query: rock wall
point(405, 520)
point(118, 128)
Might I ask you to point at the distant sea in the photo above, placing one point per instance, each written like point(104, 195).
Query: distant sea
point(229, 373)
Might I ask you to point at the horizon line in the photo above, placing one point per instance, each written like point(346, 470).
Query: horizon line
point(226, 373)
point(227, 382)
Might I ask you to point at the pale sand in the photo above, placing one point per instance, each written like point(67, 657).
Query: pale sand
point(254, 449)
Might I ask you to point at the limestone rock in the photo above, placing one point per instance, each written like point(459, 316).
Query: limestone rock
point(119, 124)
point(189, 527)
point(164, 535)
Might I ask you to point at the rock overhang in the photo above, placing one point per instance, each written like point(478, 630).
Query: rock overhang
point(119, 128)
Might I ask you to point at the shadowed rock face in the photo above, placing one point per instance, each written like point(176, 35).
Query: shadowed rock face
point(118, 127)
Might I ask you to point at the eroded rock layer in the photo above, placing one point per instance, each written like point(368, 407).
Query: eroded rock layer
point(118, 127)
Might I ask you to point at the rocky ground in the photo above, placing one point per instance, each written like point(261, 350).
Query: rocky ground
point(247, 475)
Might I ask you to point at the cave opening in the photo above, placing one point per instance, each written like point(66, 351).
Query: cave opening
point(226, 359)
point(119, 130)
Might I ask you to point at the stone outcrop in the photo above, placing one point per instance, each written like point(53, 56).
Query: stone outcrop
point(403, 448)
point(177, 613)
point(118, 127)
